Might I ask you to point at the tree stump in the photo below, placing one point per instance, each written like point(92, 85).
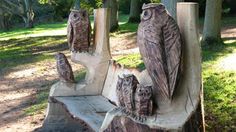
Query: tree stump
point(184, 112)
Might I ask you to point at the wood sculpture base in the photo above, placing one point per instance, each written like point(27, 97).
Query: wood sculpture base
point(130, 122)
point(184, 112)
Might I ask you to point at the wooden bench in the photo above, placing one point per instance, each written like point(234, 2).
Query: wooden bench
point(83, 106)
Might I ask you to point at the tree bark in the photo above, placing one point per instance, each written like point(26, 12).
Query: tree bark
point(23, 8)
point(135, 9)
point(212, 23)
point(171, 6)
point(77, 5)
point(114, 13)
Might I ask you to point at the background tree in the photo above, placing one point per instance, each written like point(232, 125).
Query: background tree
point(212, 23)
point(23, 8)
point(113, 5)
point(171, 6)
point(77, 4)
point(135, 10)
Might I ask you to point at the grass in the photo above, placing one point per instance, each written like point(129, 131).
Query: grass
point(219, 89)
point(27, 46)
point(15, 52)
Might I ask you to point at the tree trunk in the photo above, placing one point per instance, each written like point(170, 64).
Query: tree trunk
point(23, 8)
point(114, 13)
point(29, 14)
point(212, 23)
point(77, 5)
point(171, 6)
point(135, 8)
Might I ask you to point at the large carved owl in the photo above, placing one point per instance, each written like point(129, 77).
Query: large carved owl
point(143, 100)
point(159, 43)
point(64, 68)
point(126, 87)
point(79, 31)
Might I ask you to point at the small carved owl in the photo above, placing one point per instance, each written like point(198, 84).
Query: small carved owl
point(126, 87)
point(79, 31)
point(119, 91)
point(64, 68)
point(143, 100)
point(160, 43)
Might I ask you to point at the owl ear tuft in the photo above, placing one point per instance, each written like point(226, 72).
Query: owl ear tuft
point(143, 5)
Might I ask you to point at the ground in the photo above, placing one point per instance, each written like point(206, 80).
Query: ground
point(27, 71)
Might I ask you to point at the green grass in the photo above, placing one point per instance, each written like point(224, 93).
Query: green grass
point(22, 51)
point(219, 89)
point(131, 61)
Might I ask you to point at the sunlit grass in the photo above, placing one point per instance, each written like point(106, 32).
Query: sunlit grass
point(37, 31)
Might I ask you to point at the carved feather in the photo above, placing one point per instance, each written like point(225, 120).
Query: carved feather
point(64, 68)
point(172, 40)
point(69, 34)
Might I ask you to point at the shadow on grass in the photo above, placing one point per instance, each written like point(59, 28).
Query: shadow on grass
point(220, 94)
point(16, 52)
point(216, 51)
point(219, 88)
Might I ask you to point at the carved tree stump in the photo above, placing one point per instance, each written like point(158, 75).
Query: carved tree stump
point(185, 112)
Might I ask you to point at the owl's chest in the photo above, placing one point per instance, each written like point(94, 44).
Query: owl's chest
point(81, 27)
point(150, 32)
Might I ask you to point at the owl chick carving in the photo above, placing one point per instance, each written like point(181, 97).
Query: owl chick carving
point(160, 43)
point(143, 100)
point(64, 68)
point(125, 90)
point(79, 31)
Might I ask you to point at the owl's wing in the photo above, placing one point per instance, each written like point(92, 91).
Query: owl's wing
point(66, 72)
point(157, 67)
point(150, 42)
point(172, 43)
point(70, 34)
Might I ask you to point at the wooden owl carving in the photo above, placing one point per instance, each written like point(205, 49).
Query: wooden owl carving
point(64, 68)
point(125, 89)
point(119, 91)
point(143, 100)
point(79, 31)
point(160, 43)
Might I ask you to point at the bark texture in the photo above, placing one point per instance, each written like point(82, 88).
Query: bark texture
point(22, 8)
point(77, 5)
point(135, 9)
point(113, 5)
point(171, 6)
point(212, 22)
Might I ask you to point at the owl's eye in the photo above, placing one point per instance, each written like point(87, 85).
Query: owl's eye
point(74, 15)
point(146, 14)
